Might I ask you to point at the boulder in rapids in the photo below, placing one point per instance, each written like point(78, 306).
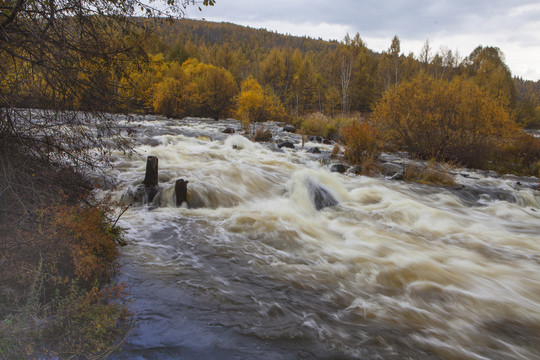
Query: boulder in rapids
point(314, 150)
point(356, 169)
point(339, 168)
point(289, 128)
point(228, 130)
point(320, 196)
point(286, 144)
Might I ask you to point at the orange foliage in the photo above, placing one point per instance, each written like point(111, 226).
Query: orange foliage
point(72, 242)
point(361, 141)
point(90, 241)
point(446, 120)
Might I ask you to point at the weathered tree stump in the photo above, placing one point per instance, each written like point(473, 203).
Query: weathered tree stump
point(151, 176)
point(180, 189)
point(151, 179)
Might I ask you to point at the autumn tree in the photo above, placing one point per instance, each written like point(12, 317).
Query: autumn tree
point(362, 92)
point(217, 89)
point(488, 70)
point(68, 55)
point(390, 65)
point(254, 104)
point(528, 98)
point(425, 56)
point(276, 71)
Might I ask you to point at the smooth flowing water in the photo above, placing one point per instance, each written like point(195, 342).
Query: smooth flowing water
point(252, 270)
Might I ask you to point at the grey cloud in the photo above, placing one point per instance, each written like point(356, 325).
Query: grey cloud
point(413, 19)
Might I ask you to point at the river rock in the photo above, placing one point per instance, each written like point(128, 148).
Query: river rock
point(320, 196)
point(289, 128)
point(314, 150)
point(228, 130)
point(391, 169)
point(397, 176)
point(286, 144)
point(339, 168)
point(356, 169)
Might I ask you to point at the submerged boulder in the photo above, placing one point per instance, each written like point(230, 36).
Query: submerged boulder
point(391, 169)
point(320, 196)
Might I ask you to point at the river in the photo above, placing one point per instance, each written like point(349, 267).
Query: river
point(252, 270)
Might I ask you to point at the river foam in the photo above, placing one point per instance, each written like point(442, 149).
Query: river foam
point(387, 270)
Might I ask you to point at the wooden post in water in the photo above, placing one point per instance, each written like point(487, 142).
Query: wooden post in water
point(180, 188)
point(151, 176)
point(151, 179)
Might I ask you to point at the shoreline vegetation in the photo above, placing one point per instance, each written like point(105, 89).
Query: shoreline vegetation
point(59, 244)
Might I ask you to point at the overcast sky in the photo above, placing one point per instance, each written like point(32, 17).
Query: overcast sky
point(462, 25)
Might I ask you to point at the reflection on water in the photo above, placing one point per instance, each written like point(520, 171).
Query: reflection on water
point(387, 270)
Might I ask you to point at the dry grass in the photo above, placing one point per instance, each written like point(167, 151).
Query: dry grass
point(261, 134)
point(57, 252)
point(431, 173)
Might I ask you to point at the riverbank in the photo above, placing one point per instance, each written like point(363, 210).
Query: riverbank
point(58, 252)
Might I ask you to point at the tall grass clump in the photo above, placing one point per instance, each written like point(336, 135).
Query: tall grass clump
point(318, 124)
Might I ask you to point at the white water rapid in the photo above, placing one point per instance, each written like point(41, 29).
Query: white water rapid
point(252, 270)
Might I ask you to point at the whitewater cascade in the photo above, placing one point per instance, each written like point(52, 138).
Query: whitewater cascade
point(253, 268)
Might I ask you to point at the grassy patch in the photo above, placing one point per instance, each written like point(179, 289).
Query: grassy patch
point(431, 173)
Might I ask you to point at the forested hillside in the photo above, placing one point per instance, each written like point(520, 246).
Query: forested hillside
point(309, 75)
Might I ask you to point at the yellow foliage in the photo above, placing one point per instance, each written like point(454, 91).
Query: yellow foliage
point(452, 121)
point(256, 105)
point(166, 98)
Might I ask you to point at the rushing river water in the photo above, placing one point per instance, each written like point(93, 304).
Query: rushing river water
point(253, 271)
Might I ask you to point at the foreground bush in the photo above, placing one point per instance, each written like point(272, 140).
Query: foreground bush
point(522, 156)
point(448, 121)
point(361, 141)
